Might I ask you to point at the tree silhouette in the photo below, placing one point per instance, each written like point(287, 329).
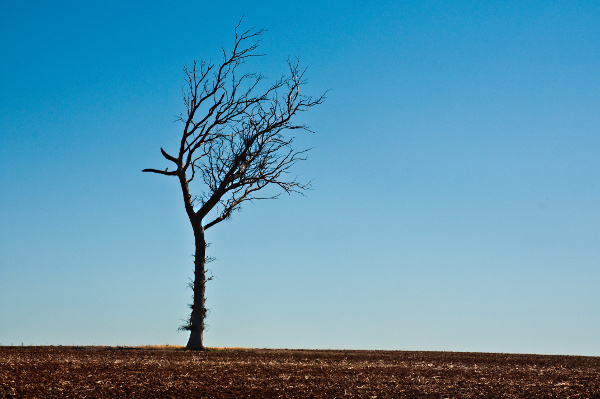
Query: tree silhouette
point(236, 141)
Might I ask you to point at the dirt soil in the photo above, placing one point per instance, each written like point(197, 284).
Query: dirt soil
point(100, 372)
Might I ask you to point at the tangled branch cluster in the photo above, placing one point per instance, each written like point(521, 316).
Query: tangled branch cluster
point(237, 133)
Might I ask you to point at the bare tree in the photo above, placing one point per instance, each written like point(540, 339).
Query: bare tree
point(237, 140)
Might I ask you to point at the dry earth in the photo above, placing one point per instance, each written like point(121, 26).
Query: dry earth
point(152, 372)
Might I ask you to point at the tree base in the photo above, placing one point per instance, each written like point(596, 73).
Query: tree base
point(195, 342)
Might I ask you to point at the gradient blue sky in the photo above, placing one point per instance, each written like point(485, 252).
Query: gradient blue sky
point(456, 176)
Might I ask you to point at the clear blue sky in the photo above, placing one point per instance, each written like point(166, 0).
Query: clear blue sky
point(456, 176)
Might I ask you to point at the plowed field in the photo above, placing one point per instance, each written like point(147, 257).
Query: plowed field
point(100, 372)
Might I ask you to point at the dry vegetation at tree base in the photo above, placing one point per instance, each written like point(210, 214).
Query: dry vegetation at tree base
point(165, 372)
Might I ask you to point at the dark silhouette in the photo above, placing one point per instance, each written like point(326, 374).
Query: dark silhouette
point(236, 141)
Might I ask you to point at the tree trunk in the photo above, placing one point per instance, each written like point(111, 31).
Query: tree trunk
point(196, 325)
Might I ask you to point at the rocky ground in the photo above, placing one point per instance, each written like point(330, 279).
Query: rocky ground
point(101, 372)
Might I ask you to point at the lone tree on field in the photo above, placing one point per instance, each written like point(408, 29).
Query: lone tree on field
point(236, 141)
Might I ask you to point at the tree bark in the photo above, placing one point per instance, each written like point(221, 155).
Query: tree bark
point(196, 325)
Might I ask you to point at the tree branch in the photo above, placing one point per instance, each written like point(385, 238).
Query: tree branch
point(161, 172)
